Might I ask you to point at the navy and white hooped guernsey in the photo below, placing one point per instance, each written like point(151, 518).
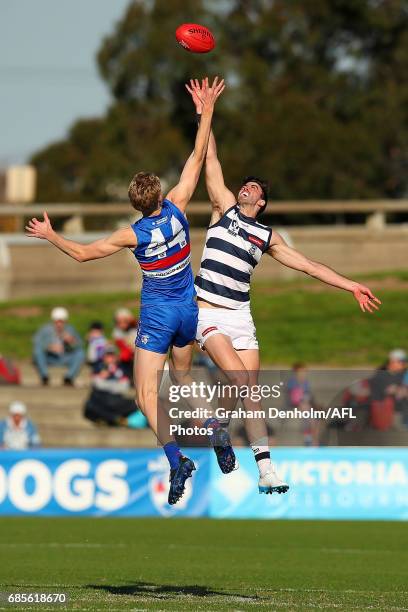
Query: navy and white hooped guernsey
point(163, 252)
point(234, 246)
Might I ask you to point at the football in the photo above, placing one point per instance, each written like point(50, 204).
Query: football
point(195, 38)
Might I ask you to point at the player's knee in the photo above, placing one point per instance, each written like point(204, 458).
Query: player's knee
point(238, 378)
point(178, 376)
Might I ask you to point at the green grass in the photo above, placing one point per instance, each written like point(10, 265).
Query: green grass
point(295, 321)
point(179, 564)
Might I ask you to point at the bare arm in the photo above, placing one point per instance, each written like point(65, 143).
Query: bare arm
point(121, 239)
point(181, 194)
point(221, 197)
point(286, 255)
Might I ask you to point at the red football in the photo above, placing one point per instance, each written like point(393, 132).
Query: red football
point(195, 38)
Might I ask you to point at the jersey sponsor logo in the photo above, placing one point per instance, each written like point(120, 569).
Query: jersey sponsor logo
point(170, 271)
point(259, 243)
point(165, 262)
point(160, 221)
point(208, 330)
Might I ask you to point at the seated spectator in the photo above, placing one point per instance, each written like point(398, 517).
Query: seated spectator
point(96, 345)
point(124, 336)
point(404, 397)
point(299, 395)
point(357, 397)
point(107, 402)
point(388, 392)
point(58, 344)
point(9, 373)
point(17, 432)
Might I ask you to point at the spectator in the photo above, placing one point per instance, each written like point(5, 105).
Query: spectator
point(96, 345)
point(299, 395)
point(17, 432)
point(58, 344)
point(124, 336)
point(404, 397)
point(388, 392)
point(107, 402)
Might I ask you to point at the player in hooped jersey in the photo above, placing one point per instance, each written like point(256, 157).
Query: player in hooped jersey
point(168, 318)
point(234, 245)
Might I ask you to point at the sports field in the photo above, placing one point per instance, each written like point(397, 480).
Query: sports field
point(179, 564)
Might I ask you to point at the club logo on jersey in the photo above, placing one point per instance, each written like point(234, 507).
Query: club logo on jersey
point(144, 338)
point(252, 250)
point(234, 228)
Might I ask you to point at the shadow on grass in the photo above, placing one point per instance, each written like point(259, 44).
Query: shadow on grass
point(159, 590)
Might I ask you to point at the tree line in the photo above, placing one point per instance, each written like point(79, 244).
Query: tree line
point(317, 100)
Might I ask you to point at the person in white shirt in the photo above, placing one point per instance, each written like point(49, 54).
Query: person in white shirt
point(17, 432)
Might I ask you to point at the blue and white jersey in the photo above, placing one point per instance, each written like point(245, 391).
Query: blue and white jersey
point(234, 246)
point(163, 252)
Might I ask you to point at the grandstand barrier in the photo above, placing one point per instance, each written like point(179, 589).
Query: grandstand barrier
point(27, 270)
point(326, 483)
point(374, 211)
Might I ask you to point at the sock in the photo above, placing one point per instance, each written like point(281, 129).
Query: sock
point(224, 424)
point(262, 456)
point(214, 425)
point(173, 454)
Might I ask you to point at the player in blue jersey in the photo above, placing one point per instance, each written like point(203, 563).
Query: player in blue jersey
point(168, 319)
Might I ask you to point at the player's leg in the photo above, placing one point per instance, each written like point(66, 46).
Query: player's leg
point(157, 328)
point(180, 368)
point(148, 371)
point(257, 431)
point(220, 348)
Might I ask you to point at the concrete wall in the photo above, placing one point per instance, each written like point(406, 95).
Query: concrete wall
point(32, 267)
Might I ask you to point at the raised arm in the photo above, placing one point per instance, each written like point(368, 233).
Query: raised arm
point(121, 239)
point(286, 255)
point(181, 194)
point(221, 197)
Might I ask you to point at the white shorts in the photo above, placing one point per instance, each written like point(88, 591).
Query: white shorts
point(236, 324)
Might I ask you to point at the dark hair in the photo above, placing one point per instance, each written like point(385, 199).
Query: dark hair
point(96, 325)
point(264, 185)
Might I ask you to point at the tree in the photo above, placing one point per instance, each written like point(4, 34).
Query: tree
point(316, 99)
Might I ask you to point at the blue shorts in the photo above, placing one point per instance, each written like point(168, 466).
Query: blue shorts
point(164, 325)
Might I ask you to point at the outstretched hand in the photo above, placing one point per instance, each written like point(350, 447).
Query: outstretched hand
point(367, 301)
point(194, 89)
point(39, 229)
point(204, 94)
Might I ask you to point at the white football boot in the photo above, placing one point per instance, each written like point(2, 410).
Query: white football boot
point(271, 483)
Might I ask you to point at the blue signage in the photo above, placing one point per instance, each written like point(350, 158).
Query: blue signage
point(98, 483)
point(325, 483)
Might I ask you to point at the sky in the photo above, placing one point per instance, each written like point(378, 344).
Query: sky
point(48, 73)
